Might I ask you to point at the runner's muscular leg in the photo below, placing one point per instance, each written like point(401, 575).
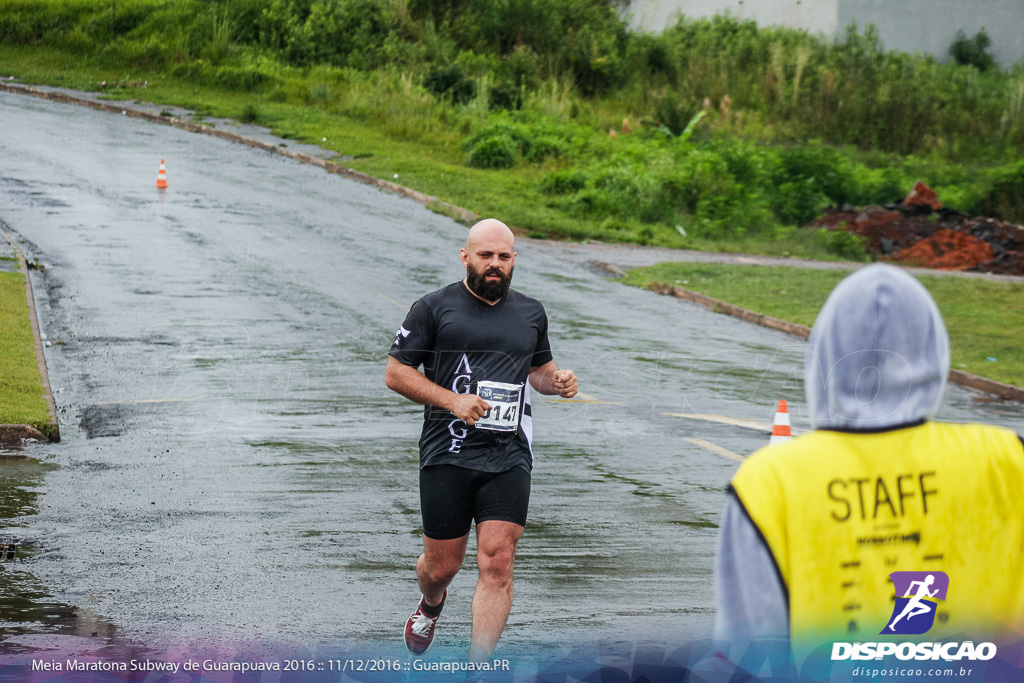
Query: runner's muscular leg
point(438, 565)
point(492, 600)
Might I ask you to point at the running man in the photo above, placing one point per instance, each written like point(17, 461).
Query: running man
point(915, 605)
point(478, 342)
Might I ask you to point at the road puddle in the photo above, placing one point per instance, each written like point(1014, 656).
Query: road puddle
point(32, 622)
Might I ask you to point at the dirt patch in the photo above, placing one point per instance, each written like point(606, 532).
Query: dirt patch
point(919, 231)
point(106, 420)
point(947, 249)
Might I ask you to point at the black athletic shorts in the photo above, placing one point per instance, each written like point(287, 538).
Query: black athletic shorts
point(452, 497)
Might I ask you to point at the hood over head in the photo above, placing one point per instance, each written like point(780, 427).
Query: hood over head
point(878, 355)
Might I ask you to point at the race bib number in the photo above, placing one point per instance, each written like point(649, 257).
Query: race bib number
point(504, 400)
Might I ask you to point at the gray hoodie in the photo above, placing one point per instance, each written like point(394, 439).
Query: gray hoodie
point(877, 359)
point(878, 355)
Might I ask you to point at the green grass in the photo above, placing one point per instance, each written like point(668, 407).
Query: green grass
point(984, 318)
point(21, 389)
point(384, 124)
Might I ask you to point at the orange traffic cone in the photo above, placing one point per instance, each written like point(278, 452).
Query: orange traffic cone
point(780, 428)
point(161, 176)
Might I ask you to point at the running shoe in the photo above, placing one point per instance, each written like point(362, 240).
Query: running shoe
point(419, 630)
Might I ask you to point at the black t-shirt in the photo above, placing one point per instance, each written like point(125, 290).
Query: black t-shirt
point(461, 341)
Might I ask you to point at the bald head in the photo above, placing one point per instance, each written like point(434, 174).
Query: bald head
point(489, 257)
point(490, 230)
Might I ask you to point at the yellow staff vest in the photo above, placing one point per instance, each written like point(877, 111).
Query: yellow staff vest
point(841, 511)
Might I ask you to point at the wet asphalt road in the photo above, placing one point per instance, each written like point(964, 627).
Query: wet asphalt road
point(233, 470)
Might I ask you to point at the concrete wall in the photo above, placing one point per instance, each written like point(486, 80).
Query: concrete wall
point(930, 26)
point(817, 16)
point(926, 26)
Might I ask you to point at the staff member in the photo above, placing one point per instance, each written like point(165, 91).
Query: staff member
point(814, 528)
point(479, 342)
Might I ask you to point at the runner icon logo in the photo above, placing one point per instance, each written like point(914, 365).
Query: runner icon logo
point(917, 599)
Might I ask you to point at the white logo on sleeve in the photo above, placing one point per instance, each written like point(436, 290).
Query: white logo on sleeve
point(401, 334)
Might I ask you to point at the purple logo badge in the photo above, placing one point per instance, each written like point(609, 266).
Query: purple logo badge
point(917, 596)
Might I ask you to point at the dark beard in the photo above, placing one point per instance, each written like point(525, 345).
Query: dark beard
point(488, 291)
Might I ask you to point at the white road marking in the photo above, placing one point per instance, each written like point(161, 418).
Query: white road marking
point(715, 448)
point(734, 421)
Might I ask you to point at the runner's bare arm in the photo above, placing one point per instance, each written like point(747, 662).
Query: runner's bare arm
point(414, 385)
point(548, 379)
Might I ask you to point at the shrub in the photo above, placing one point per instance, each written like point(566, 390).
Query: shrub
point(1005, 199)
point(592, 60)
point(343, 33)
point(563, 182)
point(450, 82)
point(799, 202)
point(843, 244)
point(505, 96)
point(521, 69)
point(534, 142)
point(250, 114)
point(493, 151)
point(675, 113)
point(631, 192)
point(543, 147)
point(501, 128)
point(807, 179)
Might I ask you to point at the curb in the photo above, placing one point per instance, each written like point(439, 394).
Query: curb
point(965, 379)
point(433, 203)
point(717, 306)
point(989, 386)
point(12, 435)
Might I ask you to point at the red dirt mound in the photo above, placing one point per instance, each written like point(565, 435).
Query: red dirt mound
point(919, 231)
point(947, 250)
